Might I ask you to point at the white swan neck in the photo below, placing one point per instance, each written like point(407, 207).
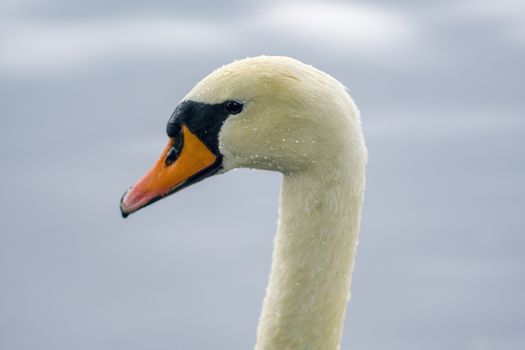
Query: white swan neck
point(313, 258)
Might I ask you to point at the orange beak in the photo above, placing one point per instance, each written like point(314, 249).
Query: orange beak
point(193, 163)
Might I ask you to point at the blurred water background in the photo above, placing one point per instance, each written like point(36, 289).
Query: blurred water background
point(87, 87)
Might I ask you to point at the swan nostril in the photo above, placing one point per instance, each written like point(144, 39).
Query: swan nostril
point(176, 149)
point(172, 156)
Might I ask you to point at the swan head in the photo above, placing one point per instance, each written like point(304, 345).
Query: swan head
point(272, 113)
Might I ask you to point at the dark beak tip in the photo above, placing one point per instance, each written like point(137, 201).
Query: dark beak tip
point(124, 213)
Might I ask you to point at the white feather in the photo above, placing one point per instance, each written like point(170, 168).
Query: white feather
point(301, 122)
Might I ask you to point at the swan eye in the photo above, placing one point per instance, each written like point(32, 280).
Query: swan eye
point(233, 107)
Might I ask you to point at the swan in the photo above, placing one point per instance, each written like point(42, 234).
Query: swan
point(277, 113)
